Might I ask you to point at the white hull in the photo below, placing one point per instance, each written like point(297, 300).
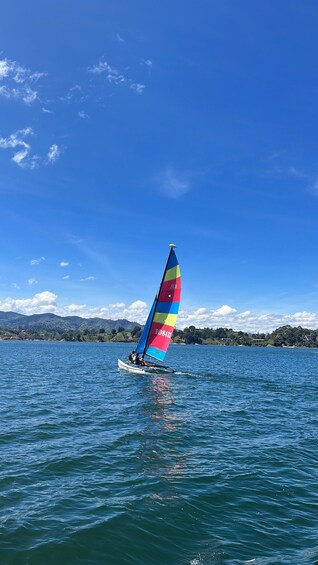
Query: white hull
point(142, 370)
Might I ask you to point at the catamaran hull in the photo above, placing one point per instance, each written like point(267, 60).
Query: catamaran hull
point(137, 369)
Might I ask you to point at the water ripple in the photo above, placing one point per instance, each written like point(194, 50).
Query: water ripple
point(215, 465)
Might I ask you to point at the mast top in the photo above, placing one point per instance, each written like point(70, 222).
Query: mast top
point(172, 245)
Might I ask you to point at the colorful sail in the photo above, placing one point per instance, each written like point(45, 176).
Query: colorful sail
point(157, 333)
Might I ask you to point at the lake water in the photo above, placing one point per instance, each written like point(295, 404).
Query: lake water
point(216, 466)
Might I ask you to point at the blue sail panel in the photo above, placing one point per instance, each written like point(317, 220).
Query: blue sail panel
point(168, 307)
point(144, 336)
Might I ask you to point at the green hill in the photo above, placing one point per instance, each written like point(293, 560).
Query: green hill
point(14, 321)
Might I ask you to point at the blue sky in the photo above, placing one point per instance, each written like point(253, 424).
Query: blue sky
point(129, 125)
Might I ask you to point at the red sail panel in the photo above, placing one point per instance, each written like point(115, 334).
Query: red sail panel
point(160, 336)
point(170, 291)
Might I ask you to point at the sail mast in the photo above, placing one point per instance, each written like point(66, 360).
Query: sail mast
point(172, 246)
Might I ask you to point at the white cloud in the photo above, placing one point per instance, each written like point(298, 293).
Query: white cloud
point(103, 67)
point(15, 285)
point(138, 305)
point(90, 278)
point(17, 82)
point(40, 303)
point(173, 185)
point(224, 311)
point(32, 282)
point(148, 63)
point(64, 264)
point(246, 320)
point(37, 261)
point(299, 317)
point(17, 141)
point(200, 311)
point(137, 87)
point(72, 308)
point(113, 76)
point(53, 153)
point(4, 68)
point(138, 311)
point(244, 314)
point(47, 111)
point(66, 277)
point(82, 115)
point(22, 150)
point(74, 95)
point(120, 39)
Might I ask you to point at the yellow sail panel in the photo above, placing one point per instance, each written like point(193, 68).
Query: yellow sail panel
point(173, 273)
point(167, 319)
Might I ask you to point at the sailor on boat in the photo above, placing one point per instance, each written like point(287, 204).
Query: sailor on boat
point(132, 357)
point(135, 359)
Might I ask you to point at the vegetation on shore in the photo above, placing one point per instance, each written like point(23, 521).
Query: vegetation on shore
point(286, 336)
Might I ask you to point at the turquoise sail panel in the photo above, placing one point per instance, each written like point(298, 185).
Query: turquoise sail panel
point(156, 353)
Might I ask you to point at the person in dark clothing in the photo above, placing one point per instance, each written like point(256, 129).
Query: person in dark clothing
point(132, 357)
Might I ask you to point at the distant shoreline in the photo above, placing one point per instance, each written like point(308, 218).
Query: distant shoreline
point(48, 329)
point(21, 340)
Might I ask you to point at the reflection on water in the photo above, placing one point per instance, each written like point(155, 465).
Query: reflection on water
point(162, 450)
point(160, 396)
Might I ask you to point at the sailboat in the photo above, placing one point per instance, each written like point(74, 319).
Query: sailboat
point(157, 333)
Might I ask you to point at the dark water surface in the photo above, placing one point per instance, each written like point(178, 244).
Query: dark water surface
point(99, 466)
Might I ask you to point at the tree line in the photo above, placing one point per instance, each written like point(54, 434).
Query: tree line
point(286, 336)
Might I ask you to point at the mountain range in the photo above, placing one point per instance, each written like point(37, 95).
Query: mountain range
point(15, 321)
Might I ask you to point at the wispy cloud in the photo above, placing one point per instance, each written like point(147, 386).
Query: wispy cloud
point(22, 150)
point(89, 278)
point(114, 76)
point(75, 95)
point(119, 38)
point(148, 63)
point(297, 173)
point(17, 82)
point(314, 187)
point(64, 264)
point(32, 282)
point(47, 111)
point(66, 277)
point(310, 180)
point(172, 184)
point(37, 261)
point(17, 142)
point(82, 115)
point(137, 87)
point(53, 153)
